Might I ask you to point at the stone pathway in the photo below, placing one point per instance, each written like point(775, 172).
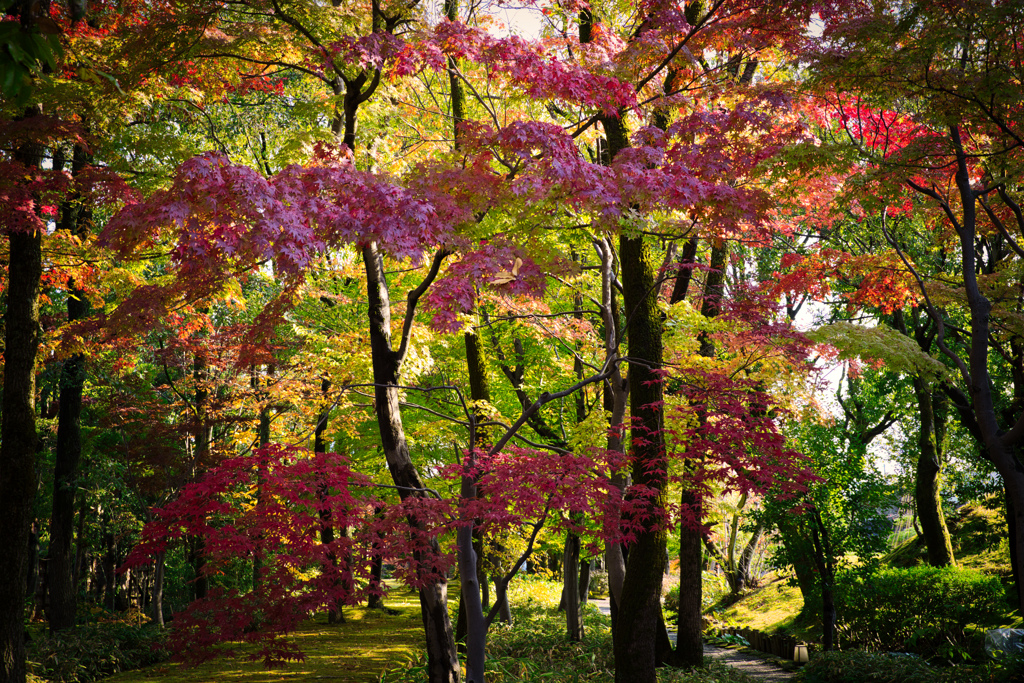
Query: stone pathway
point(749, 663)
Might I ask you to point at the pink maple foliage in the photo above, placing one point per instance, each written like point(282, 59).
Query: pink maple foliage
point(272, 505)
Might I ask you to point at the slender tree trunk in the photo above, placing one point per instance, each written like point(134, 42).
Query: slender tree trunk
point(689, 637)
point(827, 577)
point(158, 589)
point(743, 568)
point(571, 587)
point(263, 438)
point(1000, 445)
point(615, 397)
point(335, 613)
point(584, 585)
point(80, 542)
point(689, 625)
point(471, 643)
point(63, 592)
point(928, 496)
point(442, 659)
point(203, 437)
point(109, 564)
point(684, 273)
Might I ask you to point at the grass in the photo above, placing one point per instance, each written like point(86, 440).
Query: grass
point(355, 652)
point(773, 607)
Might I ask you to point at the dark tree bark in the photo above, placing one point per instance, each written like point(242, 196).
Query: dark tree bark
point(470, 614)
point(18, 434)
point(827, 577)
point(202, 440)
point(335, 612)
point(63, 592)
point(689, 637)
point(262, 439)
point(158, 589)
point(685, 271)
point(640, 608)
point(109, 565)
point(927, 494)
point(571, 587)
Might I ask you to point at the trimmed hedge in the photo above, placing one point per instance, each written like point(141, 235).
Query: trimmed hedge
point(930, 611)
point(93, 651)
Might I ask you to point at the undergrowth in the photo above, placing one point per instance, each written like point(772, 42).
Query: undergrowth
point(87, 653)
point(534, 648)
point(858, 666)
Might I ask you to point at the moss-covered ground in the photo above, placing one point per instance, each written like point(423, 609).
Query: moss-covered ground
point(358, 651)
point(772, 607)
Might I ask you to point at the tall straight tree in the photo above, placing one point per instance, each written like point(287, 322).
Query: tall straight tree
point(18, 430)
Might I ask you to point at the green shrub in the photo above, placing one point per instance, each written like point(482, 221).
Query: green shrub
point(930, 611)
point(88, 653)
point(857, 666)
point(670, 605)
point(598, 584)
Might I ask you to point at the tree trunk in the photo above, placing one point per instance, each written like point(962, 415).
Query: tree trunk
point(80, 542)
point(827, 576)
point(158, 589)
point(689, 637)
point(689, 626)
point(32, 576)
point(1000, 445)
point(584, 591)
point(335, 614)
point(263, 437)
point(615, 397)
point(18, 434)
point(63, 592)
point(203, 438)
point(109, 565)
point(571, 588)
point(640, 608)
point(927, 486)
point(743, 567)
point(442, 659)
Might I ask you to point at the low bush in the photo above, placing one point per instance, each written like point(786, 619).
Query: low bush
point(93, 651)
point(930, 611)
point(598, 584)
point(858, 666)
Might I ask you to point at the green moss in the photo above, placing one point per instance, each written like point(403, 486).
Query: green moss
point(979, 538)
point(771, 608)
point(355, 652)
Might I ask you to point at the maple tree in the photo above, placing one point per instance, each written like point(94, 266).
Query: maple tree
point(299, 164)
point(934, 117)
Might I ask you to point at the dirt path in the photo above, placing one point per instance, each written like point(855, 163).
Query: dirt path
point(750, 664)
